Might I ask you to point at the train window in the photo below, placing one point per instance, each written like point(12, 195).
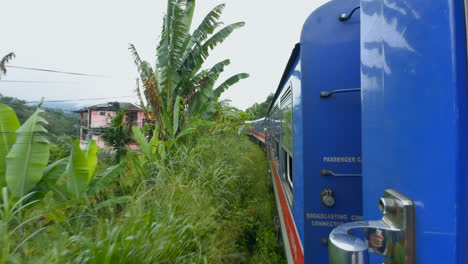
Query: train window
point(290, 170)
point(287, 120)
point(276, 150)
point(284, 165)
point(287, 168)
point(287, 174)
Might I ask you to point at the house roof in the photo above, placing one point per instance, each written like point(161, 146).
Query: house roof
point(111, 106)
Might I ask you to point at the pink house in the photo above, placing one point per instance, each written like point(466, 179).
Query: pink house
point(95, 119)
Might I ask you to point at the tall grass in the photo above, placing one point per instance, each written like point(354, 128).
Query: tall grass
point(210, 203)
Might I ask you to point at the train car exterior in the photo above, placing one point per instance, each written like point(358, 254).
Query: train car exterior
point(414, 134)
point(257, 130)
point(388, 84)
point(313, 134)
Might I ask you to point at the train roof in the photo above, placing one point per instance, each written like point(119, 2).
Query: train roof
point(284, 78)
point(255, 121)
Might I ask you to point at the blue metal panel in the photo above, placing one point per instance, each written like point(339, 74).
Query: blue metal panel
point(298, 208)
point(293, 79)
point(414, 118)
point(331, 132)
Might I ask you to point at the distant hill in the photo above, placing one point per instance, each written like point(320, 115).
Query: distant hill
point(60, 122)
point(67, 107)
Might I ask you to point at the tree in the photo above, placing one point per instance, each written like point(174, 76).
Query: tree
point(227, 118)
point(59, 122)
point(177, 91)
point(118, 135)
point(257, 110)
point(4, 61)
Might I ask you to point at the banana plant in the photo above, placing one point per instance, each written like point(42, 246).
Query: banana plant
point(28, 155)
point(177, 77)
point(79, 174)
point(154, 151)
point(8, 125)
point(24, 155)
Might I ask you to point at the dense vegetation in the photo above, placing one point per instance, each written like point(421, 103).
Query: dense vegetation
point(259, 110)
point(61, 126)
point(206, 200)
point(195, 192)
point(59, 122)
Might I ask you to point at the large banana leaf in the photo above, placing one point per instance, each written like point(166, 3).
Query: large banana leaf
point(154, 141)
point(207, 26)
point(193, 127)
point(188, 16)
point(172, 45)
point(91, 156)
point(53, 171)
point(214, 72)
point(77, 172)
point(106, 178)
point(176, 121)
point(166, 118)
point(4, 61)
point(49, 179)
point(8, 125)
point(205, 96)
point(143, 67)
point(197, 56)
point(228, 83)
point(141, 141)
point(28, 157)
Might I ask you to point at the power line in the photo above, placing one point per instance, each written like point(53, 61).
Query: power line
point(77, 100)
point(56, 71)
point(15, 81)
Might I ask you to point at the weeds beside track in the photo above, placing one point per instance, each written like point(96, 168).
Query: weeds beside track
point(211, 203)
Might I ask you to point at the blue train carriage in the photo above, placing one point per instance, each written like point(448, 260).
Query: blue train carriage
point(414, 131)
point(314, 134)
point(256, 130)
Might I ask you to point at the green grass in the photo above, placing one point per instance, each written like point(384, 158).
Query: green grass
point(209, 203)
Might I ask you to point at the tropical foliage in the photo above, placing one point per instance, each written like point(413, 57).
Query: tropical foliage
point(195, 191)
point(227, 119)
point(259, 110)
point(176, 89)
point(24, 157)
point(205, 205)
point(3, 62)
point(118, 135)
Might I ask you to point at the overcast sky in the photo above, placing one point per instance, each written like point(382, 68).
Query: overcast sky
point(92, 36)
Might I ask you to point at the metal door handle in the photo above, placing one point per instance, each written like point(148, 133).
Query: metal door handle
point(392, 236)
point(325, 172)
point(325, 94)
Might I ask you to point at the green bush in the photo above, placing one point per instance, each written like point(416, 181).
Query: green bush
point(210, 203)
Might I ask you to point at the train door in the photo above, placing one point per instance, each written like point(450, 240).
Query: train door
point(414, 134)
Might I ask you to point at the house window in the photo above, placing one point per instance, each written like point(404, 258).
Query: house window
point(102, 113)
point(133, 118)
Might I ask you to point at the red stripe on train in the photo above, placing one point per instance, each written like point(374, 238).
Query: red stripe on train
point(293, 238)
point(258, 134)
